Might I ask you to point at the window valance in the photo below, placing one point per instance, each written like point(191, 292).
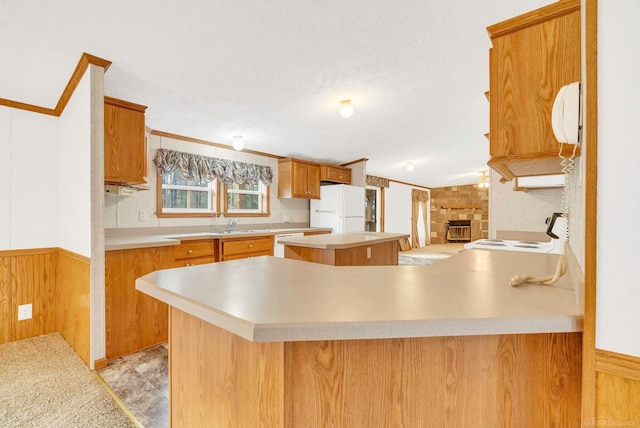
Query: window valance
point(377, 181)
point(204, 168)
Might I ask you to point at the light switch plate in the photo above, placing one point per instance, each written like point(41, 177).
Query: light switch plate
point(25, 312)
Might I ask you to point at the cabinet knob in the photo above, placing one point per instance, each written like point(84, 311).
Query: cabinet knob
point(189, 251)
point(250, 246)
point(339, 176)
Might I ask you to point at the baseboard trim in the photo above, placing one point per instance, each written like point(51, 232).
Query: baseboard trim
point(626, 366)
point(100, 363)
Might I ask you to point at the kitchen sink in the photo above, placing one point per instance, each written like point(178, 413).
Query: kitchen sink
point(218, 233)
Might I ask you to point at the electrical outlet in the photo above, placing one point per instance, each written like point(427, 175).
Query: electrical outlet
point(25, 312)
point(368, 252)
point(142, 215)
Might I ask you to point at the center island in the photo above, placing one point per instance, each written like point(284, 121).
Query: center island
point(346, 249)
point(284, 343)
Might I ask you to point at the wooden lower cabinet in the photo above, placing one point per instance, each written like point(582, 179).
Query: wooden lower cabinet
point(191, 253)
point(518, 380)
point(241, 248)
point(134, 320)
point(382, 254)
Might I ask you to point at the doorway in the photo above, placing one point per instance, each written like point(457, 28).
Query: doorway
point(372, 210)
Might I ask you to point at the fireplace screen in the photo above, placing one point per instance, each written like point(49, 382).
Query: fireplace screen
point(459, 231)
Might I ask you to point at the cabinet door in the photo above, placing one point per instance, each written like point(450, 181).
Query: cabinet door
point(134, 320)
point(313, 182)
point(300, 180)
point(125, 155)
point(335, 174)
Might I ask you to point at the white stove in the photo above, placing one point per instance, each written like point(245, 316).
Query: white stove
point(552, 247)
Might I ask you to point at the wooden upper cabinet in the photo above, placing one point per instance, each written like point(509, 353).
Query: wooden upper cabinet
point(298, 179)
point(335, 174)
point(125, 148)
point(532, 57)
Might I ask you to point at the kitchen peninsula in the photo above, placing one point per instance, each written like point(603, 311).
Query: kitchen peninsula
point(346, 249)
point(283, 343)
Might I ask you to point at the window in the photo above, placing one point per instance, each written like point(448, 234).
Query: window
point(186, 198)
point(246, 199)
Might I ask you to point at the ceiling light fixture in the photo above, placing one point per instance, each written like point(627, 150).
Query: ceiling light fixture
point(484, 180)
point(346, 109)
point(238, 142)
point(409, 166)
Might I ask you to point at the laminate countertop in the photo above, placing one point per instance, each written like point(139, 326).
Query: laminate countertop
point(127, 242)
point(269, 299)
point(338, 241)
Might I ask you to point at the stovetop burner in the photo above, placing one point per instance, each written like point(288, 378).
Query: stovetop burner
point(492, 244)
point(554, 246)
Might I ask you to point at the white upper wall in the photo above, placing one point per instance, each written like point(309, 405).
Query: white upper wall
point(29, 181)
point(5, 177)
point(618, 270)
point(74, 193)
point(397, 210)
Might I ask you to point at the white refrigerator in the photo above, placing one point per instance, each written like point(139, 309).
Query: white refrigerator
point(340, 207)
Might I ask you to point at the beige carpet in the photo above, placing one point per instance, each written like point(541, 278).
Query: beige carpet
point(43, 383)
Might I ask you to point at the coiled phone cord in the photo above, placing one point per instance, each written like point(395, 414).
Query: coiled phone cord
point(561, 268)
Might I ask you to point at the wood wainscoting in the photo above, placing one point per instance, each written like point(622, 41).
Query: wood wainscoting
point(617, 390)
point(73, 311)
point(56, 283)
point(519, 381)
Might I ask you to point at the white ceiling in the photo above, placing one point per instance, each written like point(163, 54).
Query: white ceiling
point(275, 72)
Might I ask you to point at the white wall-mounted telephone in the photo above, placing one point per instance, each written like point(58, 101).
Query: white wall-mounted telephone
point(565, 114)
point(565, 121)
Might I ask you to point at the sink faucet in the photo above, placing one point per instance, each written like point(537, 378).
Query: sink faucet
point(231, 224)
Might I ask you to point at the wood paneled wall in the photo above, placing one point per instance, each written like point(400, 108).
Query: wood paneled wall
point(73, 301)
point(519, 381)
point(27, 276)
point(617, 390)
point(56, 283)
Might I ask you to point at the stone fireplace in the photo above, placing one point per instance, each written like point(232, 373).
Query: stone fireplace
point(455, 203)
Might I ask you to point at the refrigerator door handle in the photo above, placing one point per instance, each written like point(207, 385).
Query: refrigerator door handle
point(326, 211)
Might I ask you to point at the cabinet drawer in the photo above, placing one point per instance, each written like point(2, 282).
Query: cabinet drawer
point(194, 261)
point(247, 255)
point(335, 174)
point(246, 246)
point(190, 249)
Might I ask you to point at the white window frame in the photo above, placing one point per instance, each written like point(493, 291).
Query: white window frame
point(212, 198)
point(262, 198)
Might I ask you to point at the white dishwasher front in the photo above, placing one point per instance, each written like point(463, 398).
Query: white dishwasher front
point(278, 248)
